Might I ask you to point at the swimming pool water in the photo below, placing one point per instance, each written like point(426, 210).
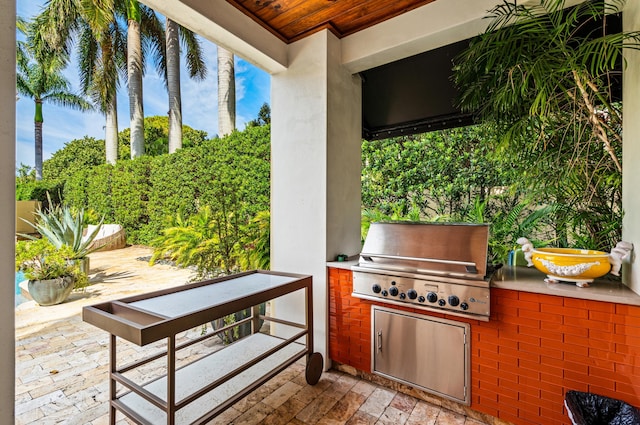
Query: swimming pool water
point(19, 278)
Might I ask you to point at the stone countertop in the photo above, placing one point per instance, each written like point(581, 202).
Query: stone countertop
point(343, 264)
point(531, 280)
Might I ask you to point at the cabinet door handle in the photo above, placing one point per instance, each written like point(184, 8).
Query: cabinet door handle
point(380, 341)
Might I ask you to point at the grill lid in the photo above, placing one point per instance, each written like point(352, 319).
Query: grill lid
point(450, 249)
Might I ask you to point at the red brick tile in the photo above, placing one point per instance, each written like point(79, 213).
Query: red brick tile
point(505, 293)
point(629, 389)
point(600, 316)
point(604, 391)
point(627, 330)
point(628, 346)
point(529, 377)
point(631, 312)
point(628, 370)
point(512, 355)
point(565, 311)
point(577, 376)
point(550, 391)
point(571, 349)
point(611, 356)
point(527, 306)
point(533, 366)
point(529, 410)
point(488, 356)
point(554, 378)
point(576, 385)
point(555, 326)
point(553, 416)
point(540, 298)
point(507, 417)
point(508, 402)
point(588, 324)
point(545, 317)
point(523, 320)
point(508, 386)
point(602, 378)
point(487, 404)
point(551, 360)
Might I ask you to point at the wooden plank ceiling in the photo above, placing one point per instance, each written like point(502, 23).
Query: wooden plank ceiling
point(291, 20)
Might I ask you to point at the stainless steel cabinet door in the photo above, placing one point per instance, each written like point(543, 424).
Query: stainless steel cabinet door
point(422, 351)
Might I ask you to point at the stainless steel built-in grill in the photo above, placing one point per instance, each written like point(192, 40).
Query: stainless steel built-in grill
point(429, 266)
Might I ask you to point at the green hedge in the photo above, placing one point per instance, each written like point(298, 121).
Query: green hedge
point(230, 175)
point(36, 190)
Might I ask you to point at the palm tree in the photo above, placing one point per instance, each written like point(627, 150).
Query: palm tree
point(101, 51)
point(39, 77)
point(226, 92)
point(134, 73)
point(197, 70)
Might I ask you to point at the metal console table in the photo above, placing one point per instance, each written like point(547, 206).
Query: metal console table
point(199, 391)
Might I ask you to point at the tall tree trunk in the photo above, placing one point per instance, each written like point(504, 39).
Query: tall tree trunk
point(134, 71)
point(173, 86)
point(111, 131)
point(38, 139)
point(226, 92)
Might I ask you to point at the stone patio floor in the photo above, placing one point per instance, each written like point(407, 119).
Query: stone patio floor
point(62, 365)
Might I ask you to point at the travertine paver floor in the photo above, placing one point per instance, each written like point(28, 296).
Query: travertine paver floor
point(62, 366)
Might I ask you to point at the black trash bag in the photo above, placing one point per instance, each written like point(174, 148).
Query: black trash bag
point(593, 409)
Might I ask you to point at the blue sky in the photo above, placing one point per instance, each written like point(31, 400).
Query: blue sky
point(199, 102)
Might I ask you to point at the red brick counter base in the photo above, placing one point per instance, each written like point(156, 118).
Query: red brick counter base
point(534, 349)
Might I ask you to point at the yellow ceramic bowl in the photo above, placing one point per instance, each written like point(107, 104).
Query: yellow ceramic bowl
point(573, 265)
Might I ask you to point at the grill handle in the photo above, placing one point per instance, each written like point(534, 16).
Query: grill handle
point(469, 266)
point(379, 341)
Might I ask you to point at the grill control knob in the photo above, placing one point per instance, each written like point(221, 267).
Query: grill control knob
point(412, 294)
point(442, 302)
point(384, 293)
point(403, 296)
point(376, 288)
point(464, 306)
point(432, 297)
point(454, 300)
point(393, 291)
point(421, 299)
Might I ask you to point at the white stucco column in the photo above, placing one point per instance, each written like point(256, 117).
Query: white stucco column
point(315, 184)
point(631, 148)
point(7, 206)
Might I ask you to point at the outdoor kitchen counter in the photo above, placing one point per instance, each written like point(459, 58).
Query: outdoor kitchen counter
point(531, 280)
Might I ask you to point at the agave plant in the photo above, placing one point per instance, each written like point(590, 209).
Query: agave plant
point(63, 227)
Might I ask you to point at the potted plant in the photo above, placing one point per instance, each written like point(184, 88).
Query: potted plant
point(62, 227)
point(51, 274)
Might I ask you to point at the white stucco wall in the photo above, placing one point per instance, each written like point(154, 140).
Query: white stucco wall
point(631, 149)
point(315, 142)
point(7, 206)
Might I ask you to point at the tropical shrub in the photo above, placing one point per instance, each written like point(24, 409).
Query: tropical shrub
point(542, 73)
point(231, 176)
point(74, 155)
point(130, 191)
point(156, 137)
point(40, 260)
point(28, 188)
